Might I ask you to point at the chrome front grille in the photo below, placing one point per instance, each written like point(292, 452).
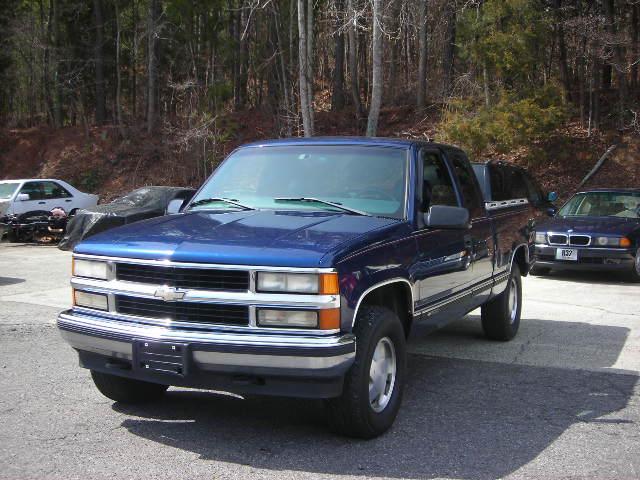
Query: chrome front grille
point(557, 239)
point(180, 277)
point(579, 240)
point(192, 312)
point(565, 239)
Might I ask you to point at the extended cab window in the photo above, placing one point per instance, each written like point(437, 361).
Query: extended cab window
point(507, 183)
point(437, 186)
point(468, 184)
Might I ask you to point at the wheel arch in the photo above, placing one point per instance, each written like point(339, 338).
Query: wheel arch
point(398, 292)
point(520, 257)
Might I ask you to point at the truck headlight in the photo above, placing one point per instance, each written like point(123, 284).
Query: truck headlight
point(276, 282)
point(90, 300)
point(541, 237)
point(327, 319)
point(89, 269)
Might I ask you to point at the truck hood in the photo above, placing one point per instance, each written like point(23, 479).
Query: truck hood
point(270, 238)
point(591, 225)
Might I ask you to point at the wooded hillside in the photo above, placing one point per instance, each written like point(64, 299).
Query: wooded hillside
point(493, 76)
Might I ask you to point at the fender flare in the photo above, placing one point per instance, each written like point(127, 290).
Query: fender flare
point(380, 285)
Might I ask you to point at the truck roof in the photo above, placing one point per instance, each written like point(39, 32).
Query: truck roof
point(378, 141)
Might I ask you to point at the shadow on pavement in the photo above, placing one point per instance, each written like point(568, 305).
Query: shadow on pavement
point(4, 281)
point(460, 418)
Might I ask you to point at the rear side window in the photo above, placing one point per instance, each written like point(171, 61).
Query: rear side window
point(468, 184)
point(437, 185)
point(535, 192)
point(54, 190)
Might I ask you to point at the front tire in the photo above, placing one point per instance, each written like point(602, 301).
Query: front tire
point(373, 386)
point(501, 315)
point(127, 390)
point(539, 271)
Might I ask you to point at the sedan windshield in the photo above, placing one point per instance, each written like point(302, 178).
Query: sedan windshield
point(7, 190)
point(353, 180)
point(603, 204)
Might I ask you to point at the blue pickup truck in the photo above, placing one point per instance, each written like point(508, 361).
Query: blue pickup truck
point(298, 270)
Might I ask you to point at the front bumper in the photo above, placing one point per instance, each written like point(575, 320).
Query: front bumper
point(260, 363)
point(589, 258)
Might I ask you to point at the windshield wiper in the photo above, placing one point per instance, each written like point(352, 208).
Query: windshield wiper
point(230, 201)
point(323, 202)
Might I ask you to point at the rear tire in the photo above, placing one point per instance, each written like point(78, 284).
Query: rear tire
point(127, 390)
point(372, 390)
point(501, 316)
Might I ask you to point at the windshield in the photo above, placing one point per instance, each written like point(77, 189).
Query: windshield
point(7, 190)
point(603, 204)
point(371, 180)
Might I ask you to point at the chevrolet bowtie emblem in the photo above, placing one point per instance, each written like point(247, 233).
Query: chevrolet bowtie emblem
point(169, 294)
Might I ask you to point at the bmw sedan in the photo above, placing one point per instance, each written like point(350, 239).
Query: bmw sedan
point(595, 230)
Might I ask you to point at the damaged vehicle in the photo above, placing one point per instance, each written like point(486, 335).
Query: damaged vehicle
point(27, 204)
point(141, 204)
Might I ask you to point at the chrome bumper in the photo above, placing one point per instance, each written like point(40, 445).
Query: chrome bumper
point(222, 352)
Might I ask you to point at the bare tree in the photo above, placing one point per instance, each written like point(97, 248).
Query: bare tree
point(353, 57)
point(422, 57)
point(303, 63)
point(376, 84)
point(337, 96)
point(152, 71)
point(99, 62)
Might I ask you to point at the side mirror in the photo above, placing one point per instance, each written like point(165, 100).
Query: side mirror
point(23, 197)
point(552, 196)
point(442, 216)
point(551, 211)
point(174, 206)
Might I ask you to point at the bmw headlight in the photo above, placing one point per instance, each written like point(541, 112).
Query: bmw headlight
point(311, 283)
point(541, 237)
point(90, 269)
point(613, 242)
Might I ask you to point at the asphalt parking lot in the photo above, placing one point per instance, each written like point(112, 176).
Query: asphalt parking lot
point(560, 401)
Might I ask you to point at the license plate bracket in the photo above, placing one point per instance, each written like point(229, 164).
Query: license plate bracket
point(169, 358)
point(569, 254)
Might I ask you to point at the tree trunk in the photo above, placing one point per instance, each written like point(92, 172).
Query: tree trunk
point(635, 46)
point(134, 59)
point(309, 34)
point(377, 80)
point(422, 55)
point(337, 96)
point(152, 72)
point(353, 59)
point(449, 47)
point(619, 60)
point(305, 106)
point(57, 80)
point(118, 74)
point(98, 50)
point(562, 50)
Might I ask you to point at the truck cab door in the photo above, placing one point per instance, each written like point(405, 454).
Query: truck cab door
point(480, 238)
point(441, 269)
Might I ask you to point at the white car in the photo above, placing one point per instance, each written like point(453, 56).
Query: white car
point(27, 195)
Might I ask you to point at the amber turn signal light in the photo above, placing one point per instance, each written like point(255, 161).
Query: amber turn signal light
point(329, 319)
point(625, 242)
point(328, 284)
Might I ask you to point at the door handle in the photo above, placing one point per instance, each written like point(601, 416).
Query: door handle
point(41, 203)
point(68, 200)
